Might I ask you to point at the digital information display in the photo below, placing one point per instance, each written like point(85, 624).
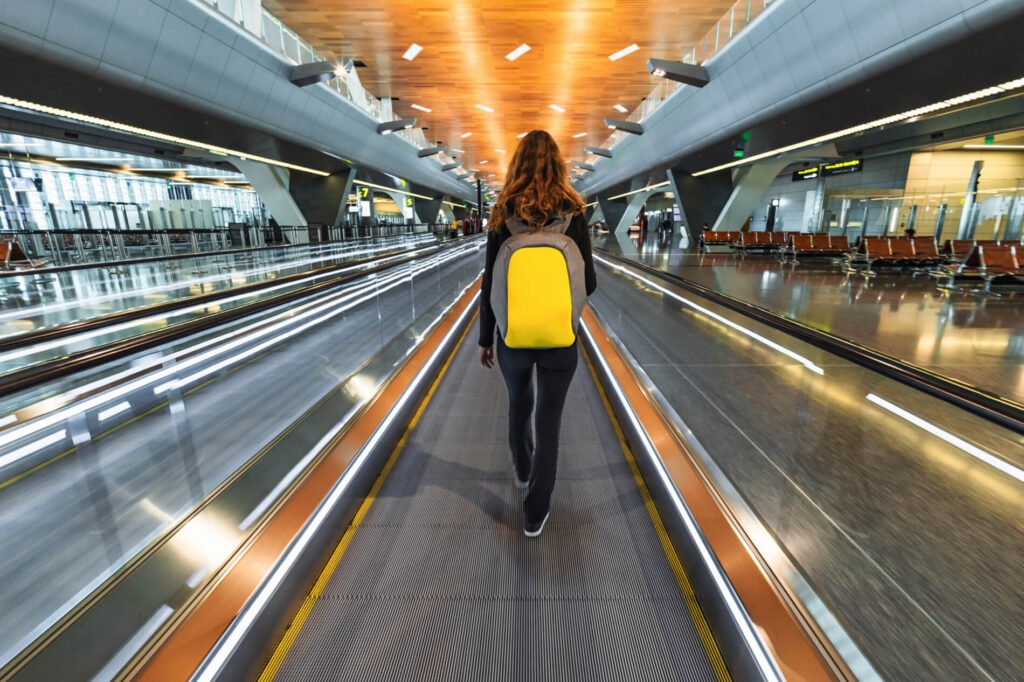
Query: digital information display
point(829, 169)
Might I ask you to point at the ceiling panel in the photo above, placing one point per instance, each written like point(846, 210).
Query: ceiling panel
point(463, 61)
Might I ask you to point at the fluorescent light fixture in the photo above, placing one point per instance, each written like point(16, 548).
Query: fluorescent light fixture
point(599, 151)
point(972, 450)
point(642, 189)
point(483, 162)
point(388, 127)
point(681, 72)
point(623, 52)
point(578, 135)
point(459, 151)
point(500, 151)
point(619, 107)
point(994, 146)
point(95, 159)
point(106, 414)
point(418, 107)
point(9, 419)
point(313, 73)
point(33, 447)
point(156, 168)
point(557, 108)
point(518, 52)
point(624, 126)
point(21, 144)
point(430, 151)
point(464, 135)
point(152, 134)
point(412, 52)
point(485, 108)
point(521, 136)
point(895, 118)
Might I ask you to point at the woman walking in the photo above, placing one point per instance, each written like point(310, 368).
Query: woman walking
point(538, 272)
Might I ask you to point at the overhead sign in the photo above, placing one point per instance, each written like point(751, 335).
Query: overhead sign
point(807, 173)
point(843, 167)
point(364, 192)
point(826, 170)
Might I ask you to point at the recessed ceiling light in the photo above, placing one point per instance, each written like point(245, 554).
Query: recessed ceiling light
point(487, 109)
point(459, 151)
point(415, 49)
point(521, 135)
point(518, 52)
point(482, 162)
point(619, 107)
point(500, 151)
point(623, 52)
point(579, 135)
point(465, 134)
point(558, 108)
point(417, 106)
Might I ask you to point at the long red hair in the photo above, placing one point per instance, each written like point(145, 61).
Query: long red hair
point(536, 185)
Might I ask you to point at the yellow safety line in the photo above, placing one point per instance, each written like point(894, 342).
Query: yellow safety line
point(706, 638)
point(332, 564)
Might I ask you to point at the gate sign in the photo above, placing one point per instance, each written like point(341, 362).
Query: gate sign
point(843, 167)
point(364, 192)
point(408, 201)
point(807, 173)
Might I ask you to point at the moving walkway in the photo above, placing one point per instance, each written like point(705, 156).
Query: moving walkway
point(725, 506)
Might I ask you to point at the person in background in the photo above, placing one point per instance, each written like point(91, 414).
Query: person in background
point(537, 194)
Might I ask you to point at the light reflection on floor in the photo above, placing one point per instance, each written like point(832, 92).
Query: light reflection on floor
point(976, 339)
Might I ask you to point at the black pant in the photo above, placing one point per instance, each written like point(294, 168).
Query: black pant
point(555, 367)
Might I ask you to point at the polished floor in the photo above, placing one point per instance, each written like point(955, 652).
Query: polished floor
point(879, 494)
point(975, 339)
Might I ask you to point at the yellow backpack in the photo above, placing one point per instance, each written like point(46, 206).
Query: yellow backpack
point(537, 286)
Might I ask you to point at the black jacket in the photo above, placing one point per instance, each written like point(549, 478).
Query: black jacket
point(577, 231)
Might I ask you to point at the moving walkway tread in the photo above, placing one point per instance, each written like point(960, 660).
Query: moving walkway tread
point(437, 581)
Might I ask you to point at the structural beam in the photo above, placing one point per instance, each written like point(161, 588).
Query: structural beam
point(690, 74)
point(599, 151)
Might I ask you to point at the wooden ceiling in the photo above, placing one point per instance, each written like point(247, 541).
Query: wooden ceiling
point(463, 62)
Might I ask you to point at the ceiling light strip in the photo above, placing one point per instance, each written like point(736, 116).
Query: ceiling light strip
point(392, 189)
point(895, 118)
point(412, 52)
point(152, 134)
point(623, 52)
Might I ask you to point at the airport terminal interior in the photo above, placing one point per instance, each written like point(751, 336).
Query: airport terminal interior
point(246, 432)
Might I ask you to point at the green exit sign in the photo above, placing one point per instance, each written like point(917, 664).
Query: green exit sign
point(990, 139)
point(738, 153)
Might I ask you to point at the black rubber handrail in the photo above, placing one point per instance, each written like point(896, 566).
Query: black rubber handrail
point(33, 375)
point(71, 328)
point(986, 404)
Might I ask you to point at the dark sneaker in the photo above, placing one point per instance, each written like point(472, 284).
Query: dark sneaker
point(532, 530)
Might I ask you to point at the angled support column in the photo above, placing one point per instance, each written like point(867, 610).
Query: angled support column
point(427, 209)
point(700, 200)
point(271, 184)
point(322, 200)
point(750, 186)
point(621, 212)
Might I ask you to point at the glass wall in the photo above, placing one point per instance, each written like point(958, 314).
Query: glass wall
point(41, 196)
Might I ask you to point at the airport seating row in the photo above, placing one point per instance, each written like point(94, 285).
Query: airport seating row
point(12, 257)
point(988, 262)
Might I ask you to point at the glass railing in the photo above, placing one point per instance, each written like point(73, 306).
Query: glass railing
point(287, 43)
point(732, 23)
